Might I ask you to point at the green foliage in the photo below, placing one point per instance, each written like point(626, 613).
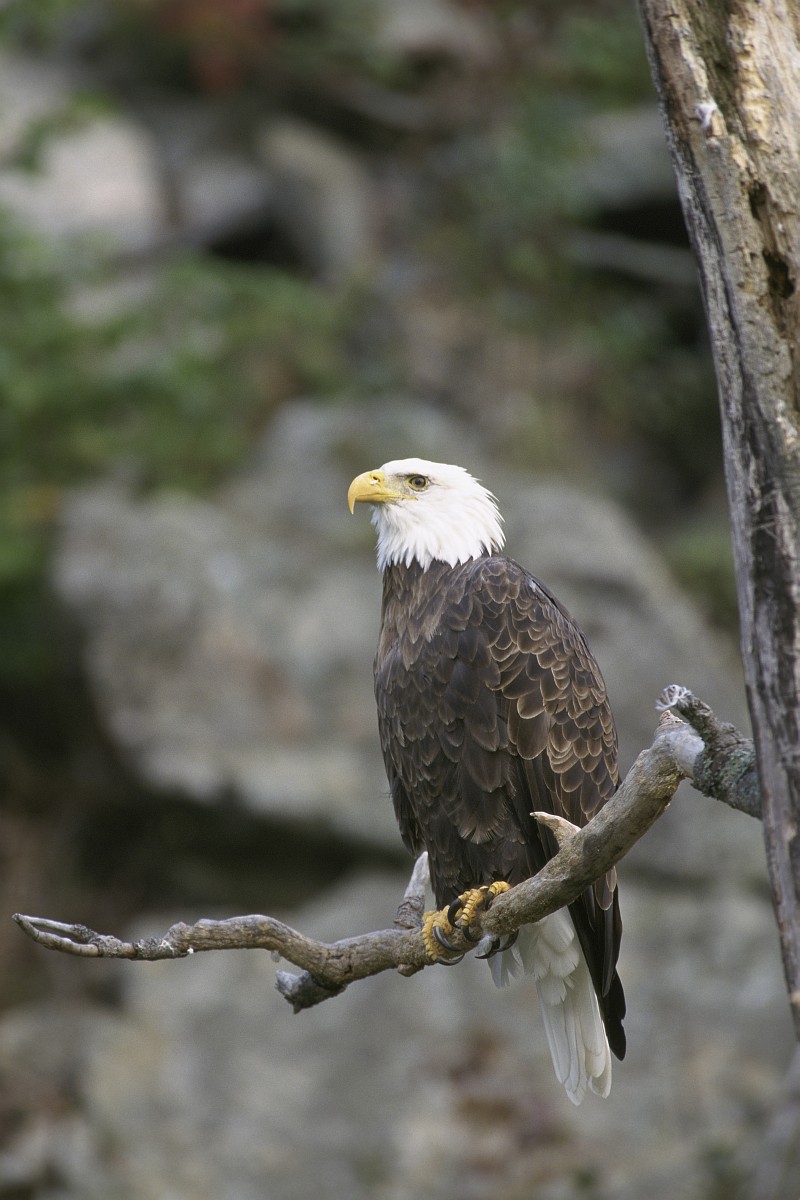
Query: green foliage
point(174, 386)
point(316, 39)
point(701, 558)
point(635, 378)
point(652, 385)
point(603, 56)
point(213, 45)
point(525, 174)
point(34, 23)
point(71, 115)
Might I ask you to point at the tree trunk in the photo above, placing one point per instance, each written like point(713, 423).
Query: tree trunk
point(727, 74)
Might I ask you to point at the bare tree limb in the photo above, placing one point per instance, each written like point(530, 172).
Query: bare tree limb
point(720, 761)
point(327, 968)
point(304, 991)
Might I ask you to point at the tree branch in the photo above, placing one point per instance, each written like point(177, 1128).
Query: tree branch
point(720, 761)
point(678, 751)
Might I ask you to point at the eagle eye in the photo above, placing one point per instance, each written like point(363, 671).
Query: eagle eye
point(418, 482)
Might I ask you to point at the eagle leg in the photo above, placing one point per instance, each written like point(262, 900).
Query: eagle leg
point(435, 929)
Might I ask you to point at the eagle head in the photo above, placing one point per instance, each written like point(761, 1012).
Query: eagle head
point(428, 512)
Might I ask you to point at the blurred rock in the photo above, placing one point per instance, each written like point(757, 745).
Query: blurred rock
point(222, 193)
point(204, 1085)
point(172, 172)
point(433, 29)
point(230, 643)
point(214, 186)
point(323, 196)
point(625, 161)
point(649, 261)
point(31, 90)
point(226, 662)
point(100, 178)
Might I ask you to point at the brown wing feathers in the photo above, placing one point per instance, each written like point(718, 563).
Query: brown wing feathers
point(490, 707)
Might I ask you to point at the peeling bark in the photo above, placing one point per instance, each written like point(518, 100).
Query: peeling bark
point(728, 80)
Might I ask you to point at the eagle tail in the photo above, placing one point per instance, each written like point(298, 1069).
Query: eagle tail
point(549, 950)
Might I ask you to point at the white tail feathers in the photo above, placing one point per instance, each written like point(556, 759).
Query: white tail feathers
point(549, 950)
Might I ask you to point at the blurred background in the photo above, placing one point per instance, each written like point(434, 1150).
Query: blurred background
point(248, 249)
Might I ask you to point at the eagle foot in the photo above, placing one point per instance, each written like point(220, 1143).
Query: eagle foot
point(436, 928)
point(464, 909)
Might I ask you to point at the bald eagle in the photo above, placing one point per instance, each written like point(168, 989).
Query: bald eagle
point(491, 707)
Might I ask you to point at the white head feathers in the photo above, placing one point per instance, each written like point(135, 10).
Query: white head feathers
point(430, 511)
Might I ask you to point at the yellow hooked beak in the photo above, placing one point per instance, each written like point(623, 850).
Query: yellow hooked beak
point(372, 488)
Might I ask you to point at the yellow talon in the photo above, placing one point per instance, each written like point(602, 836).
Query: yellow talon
point(477, 898)
point(438, 926)
point(437, 949)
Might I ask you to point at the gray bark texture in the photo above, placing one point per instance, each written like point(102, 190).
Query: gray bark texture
point(728, 80)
